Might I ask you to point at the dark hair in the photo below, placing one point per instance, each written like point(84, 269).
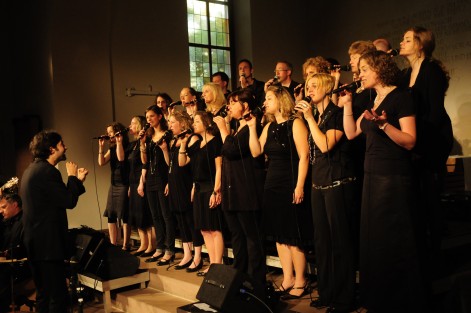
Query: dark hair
point(118, 127)
point(288, 64)
point(41, 144)
point(244, 95)
point(384, 66)
point(223, 76)
point(12, 197)
point(207, 119)
point(164, 95)
point(246, 61)
point(163, 122)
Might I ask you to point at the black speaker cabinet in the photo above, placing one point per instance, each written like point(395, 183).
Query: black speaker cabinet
point(97, 256)
point(231, 291)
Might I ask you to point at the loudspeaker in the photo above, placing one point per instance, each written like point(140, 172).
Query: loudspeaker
point(96, 255)
point(231, 291)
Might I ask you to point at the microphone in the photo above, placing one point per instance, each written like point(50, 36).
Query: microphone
point(275, 79)
point(350, 87)
point(174, 103)
point(345, 68)
point(121, 132)
point(105, 137)
point(394, 52)
point(146, 127)
point(255, 112)
point(184, 133)
point(307, 99)
point(166, 136)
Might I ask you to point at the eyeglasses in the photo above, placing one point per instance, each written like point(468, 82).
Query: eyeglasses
point(276, 71)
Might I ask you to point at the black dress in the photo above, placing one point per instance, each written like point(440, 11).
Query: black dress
point(203, 168)
point(139, 212)
point(283, 221)
point(180, 183)
point(117, 206)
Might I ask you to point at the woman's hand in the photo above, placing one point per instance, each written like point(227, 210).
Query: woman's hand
point(298, 195)
point(304, 107)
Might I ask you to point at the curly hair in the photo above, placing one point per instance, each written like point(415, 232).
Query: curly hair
point(321, 64)
point(383, 65)
point(41, 144)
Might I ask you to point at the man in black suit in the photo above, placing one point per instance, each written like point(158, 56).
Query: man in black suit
point(45, 200)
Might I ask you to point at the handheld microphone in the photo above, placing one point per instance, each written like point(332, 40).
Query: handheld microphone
point(255, 112)
point(350, 87)
point(146, 127)
point(345, 68)
point(105, 137)
point(174, 103)
point(184, 133)
point(394, 52)
point(275, 79)
point(121, 132)
point(307, 99)
point(166, 136)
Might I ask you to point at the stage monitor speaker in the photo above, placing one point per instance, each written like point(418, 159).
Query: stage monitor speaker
point(231, 291)
point(97, 256)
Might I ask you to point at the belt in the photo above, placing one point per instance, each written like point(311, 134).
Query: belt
point(335, 183)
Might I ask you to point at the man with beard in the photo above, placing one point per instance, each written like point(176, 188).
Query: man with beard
point(45, 200)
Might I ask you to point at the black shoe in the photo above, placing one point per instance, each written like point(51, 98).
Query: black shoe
point(306, 290)
point(146, 254)
point(139, 253)
point(201, 274)
point(154, 258)
point(318, 304)
point(180, 267)
point(281, 290)
point(162, 262)
point(196, 268)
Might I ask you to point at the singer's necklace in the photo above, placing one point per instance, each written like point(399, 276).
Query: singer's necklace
point(380, 97)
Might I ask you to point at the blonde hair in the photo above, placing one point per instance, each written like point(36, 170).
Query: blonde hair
point(324, 81)
point(285, 102)
point(219, 99)
point(183, 118)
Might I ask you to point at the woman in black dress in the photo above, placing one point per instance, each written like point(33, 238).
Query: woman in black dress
point(427, 80)
point(332, 196)
point(242, 187)
point(139, 212)
point(179, 192)
point(389, 268)
point(117, 207)
point(286, 218)
point(155, 156)
point(204, 152)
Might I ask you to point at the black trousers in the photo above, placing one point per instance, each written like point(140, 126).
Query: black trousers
point(163, 220)
point(332, 213)
point(247, 243)
point(51, 286)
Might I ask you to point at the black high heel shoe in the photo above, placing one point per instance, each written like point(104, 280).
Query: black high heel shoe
point(306, 290)
point(162, 262)
point(180, 267)
point(196, 268)
point(154, 258)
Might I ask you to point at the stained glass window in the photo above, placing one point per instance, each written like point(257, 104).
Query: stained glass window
point(209, 40)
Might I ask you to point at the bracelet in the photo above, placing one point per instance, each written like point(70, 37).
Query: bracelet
point(100, 152)
point(182, 152)
point(383, 127)
point(348, 114)
point(143, 149)
point(214, 193)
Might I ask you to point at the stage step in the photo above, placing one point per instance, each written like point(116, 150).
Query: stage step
point(169, 289)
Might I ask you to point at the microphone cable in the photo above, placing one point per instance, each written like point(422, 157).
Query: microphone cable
point(96, 187)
